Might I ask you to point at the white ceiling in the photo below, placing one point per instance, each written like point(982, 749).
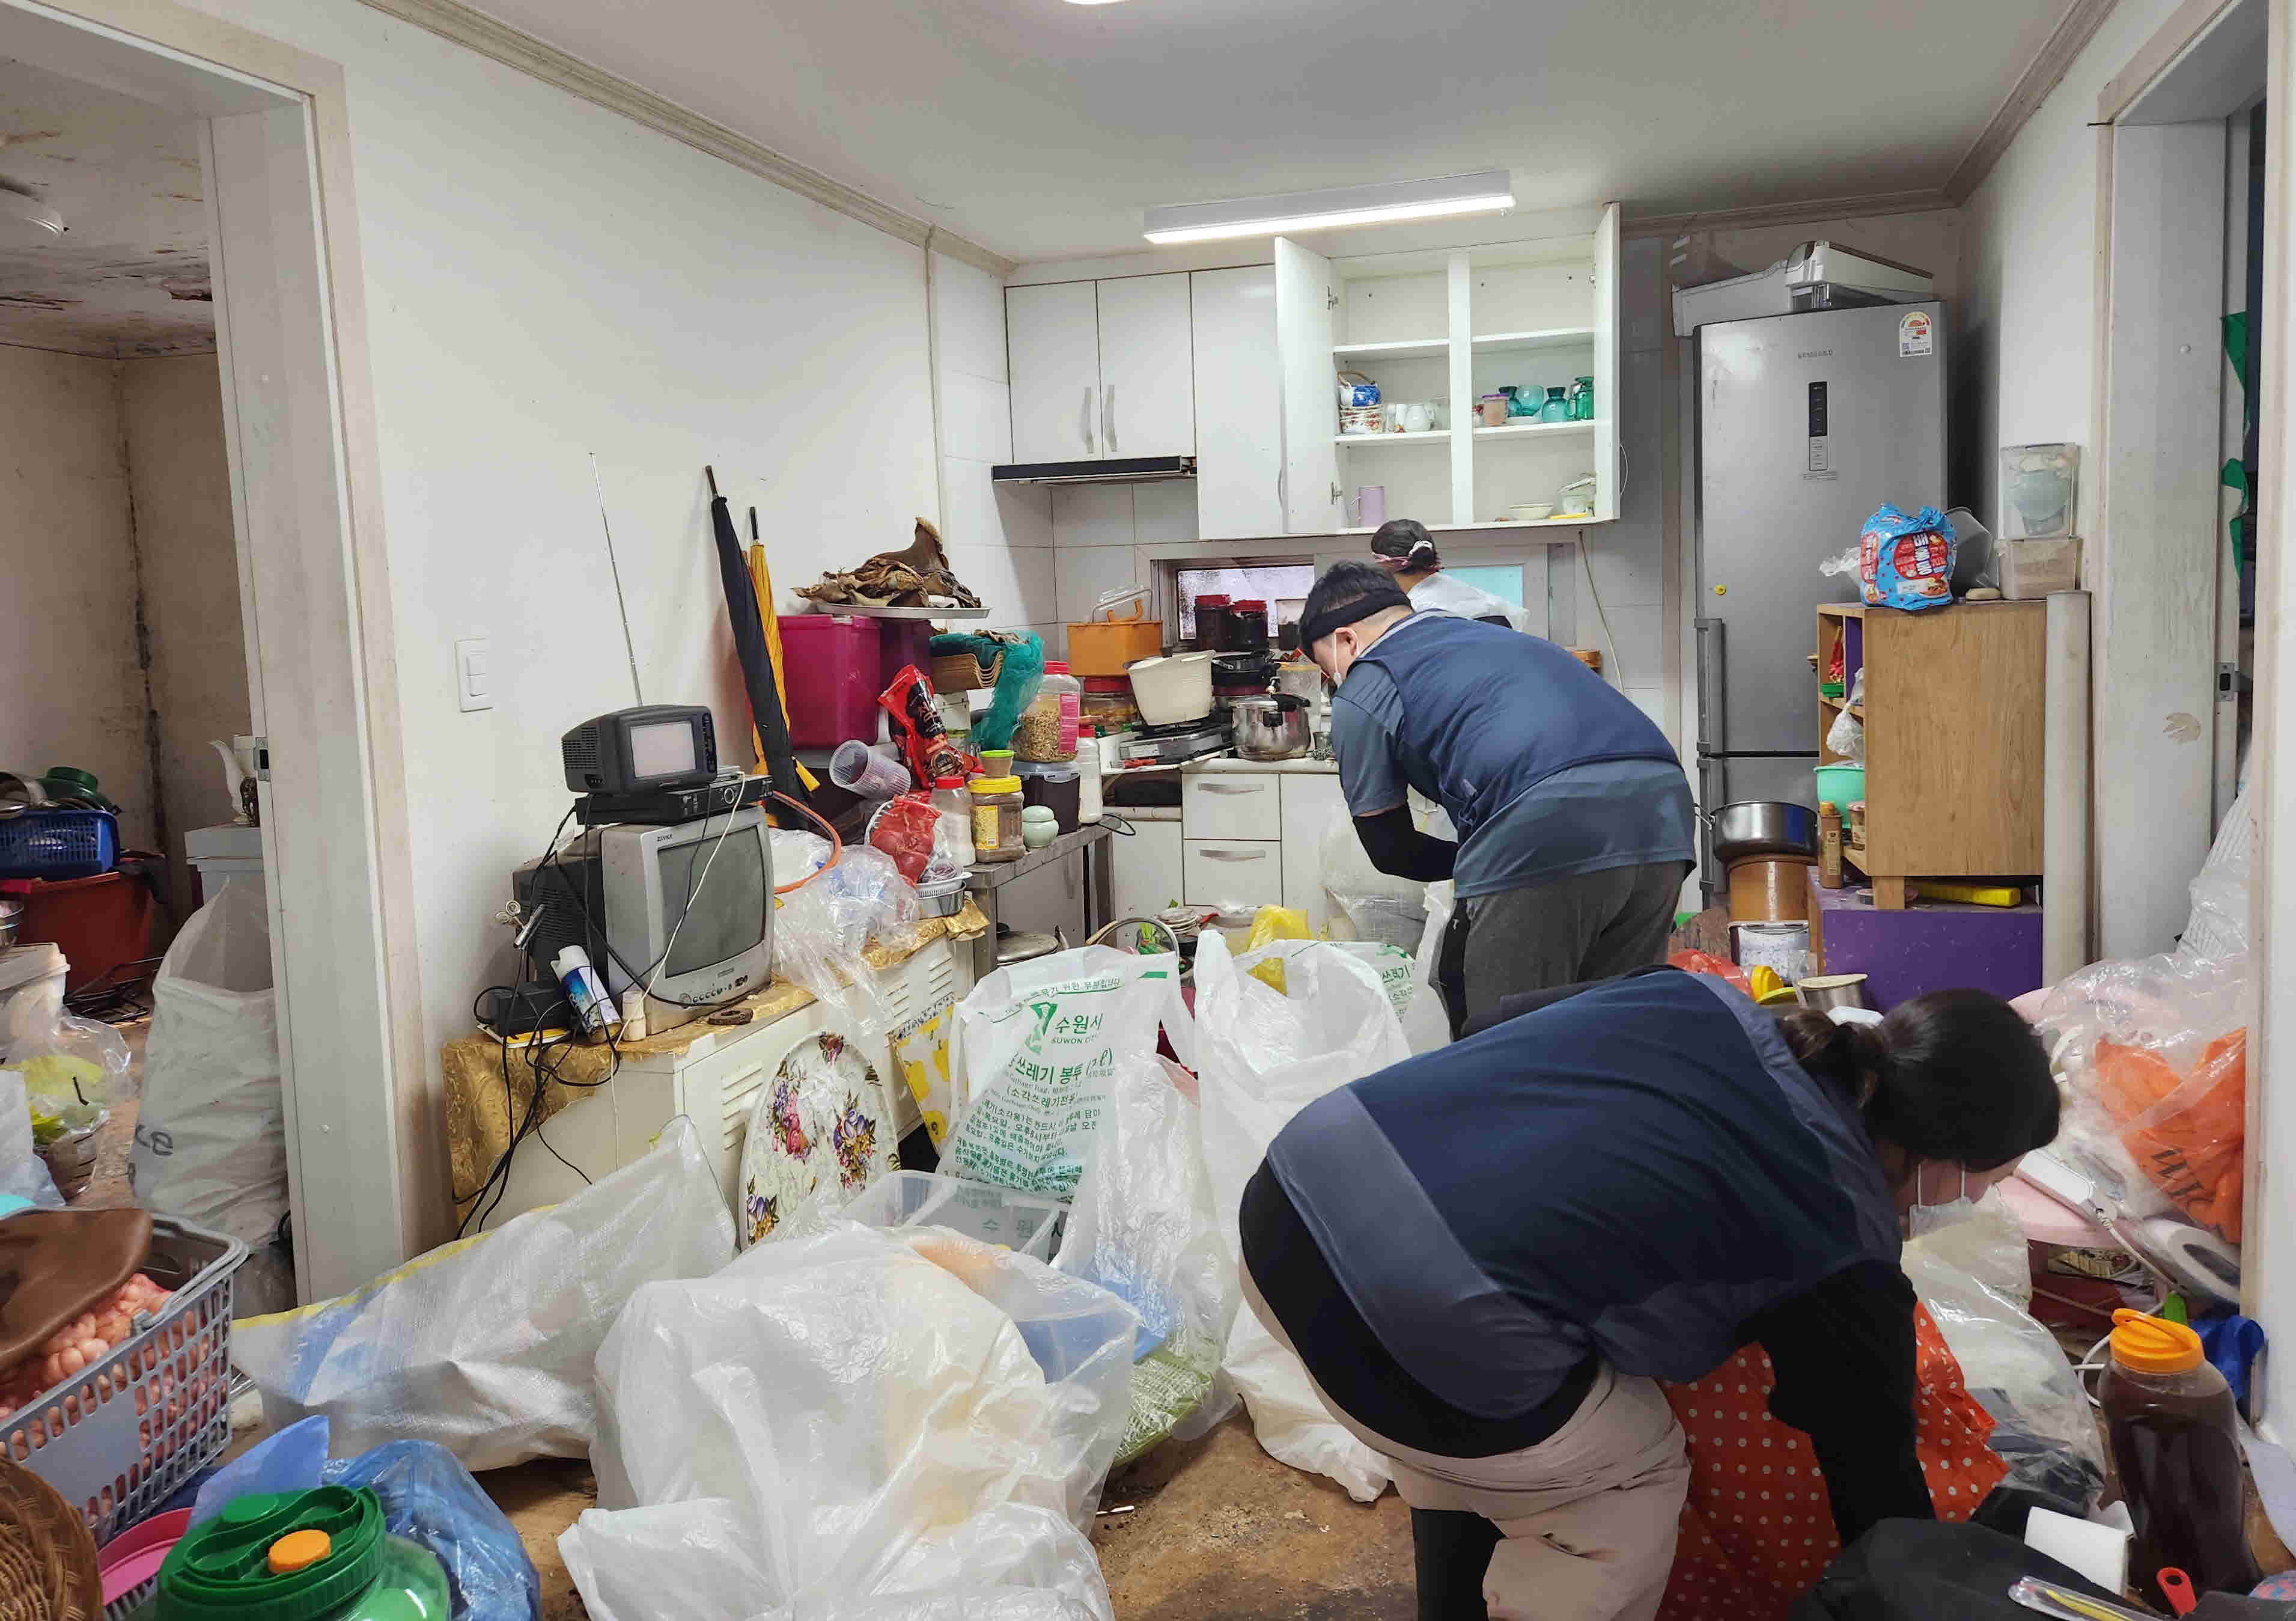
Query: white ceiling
point(1042, 129)
point(130, 275)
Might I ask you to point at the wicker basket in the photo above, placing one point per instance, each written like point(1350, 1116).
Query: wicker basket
point(961, 672)
point(47, 1559)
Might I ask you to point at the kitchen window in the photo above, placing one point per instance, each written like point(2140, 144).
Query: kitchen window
point(1282, 586)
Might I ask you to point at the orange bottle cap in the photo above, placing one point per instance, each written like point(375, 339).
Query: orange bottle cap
point(2144, 1344)
point(299, 1550)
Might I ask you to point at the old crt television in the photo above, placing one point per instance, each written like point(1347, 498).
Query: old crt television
point(687, 909)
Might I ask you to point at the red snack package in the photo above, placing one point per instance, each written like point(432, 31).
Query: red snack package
point(904, 831)
point(1701, 962)
point(916, 720)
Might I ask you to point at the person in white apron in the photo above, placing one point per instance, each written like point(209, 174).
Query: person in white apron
point(1404, 547)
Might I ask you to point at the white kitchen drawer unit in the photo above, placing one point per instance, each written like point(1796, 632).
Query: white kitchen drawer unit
point(1232, 872)
point(1230, 805)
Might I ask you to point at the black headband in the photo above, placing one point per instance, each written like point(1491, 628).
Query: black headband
point(1377, 598)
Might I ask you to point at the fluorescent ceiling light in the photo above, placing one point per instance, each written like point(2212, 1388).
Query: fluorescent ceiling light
point(1343, 205)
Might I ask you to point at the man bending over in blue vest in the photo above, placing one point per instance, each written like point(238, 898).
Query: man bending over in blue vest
point(1573, 815)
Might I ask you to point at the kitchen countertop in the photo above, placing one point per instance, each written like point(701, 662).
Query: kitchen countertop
point(1231, 762)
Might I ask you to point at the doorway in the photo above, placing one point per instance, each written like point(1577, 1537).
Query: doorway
point(270, 141)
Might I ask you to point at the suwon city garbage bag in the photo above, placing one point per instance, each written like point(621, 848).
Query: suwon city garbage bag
point(487, 1344)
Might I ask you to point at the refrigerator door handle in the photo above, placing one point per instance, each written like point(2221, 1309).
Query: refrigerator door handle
point(1710, 706)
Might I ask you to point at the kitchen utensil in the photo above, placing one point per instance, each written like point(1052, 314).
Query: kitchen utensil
point(1371, 506)
point(1174, 689)
point(1356, 420)
point(1414, 416)
point(1270, 727)
point(1576, 499)
point(1531, 512)
point(1763, 828)
point(822, 1127)
point(941, 897)
point(1843, 784)
point(1827, 991)
point(1025, 948)
point(1769, 889)
point(2052, 1599)
point(2040, 486)
point(1103, 644)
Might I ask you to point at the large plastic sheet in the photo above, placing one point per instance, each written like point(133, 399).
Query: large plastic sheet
point(1973, 1275)
point(489, 1345)
point(1264, 1055)
point(1144, 1228)
point(849, 1425)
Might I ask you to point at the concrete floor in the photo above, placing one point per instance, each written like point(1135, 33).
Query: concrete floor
point(1219, 1529)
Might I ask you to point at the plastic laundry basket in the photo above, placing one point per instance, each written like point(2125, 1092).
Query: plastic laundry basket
point(119, 1439)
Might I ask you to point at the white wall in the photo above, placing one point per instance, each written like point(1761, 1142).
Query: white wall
point(546, 280)
point(999, 537)
point(71, 684)
point(2027, 329)
point(171, 414)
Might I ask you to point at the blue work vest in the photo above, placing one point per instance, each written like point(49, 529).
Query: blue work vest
point(1487, 712)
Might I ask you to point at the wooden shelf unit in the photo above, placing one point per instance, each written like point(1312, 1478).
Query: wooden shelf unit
point(1953, 720)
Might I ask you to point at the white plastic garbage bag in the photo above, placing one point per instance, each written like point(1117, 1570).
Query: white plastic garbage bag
point(488, 1345)
point(1143, 1227)
point(1264, 1055)
point(1368, 904)
point(1973, 1275)
point(1036, 1044)
point(211, 1134)
point(835, 1423)
point(23, 1174)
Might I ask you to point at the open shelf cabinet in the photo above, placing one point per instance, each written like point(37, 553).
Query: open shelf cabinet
point(1444, 328)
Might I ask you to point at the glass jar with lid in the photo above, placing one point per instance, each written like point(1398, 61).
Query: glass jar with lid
point(1247, 625)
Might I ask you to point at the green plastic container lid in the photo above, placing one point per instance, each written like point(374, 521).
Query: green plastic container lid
point(334, 1560)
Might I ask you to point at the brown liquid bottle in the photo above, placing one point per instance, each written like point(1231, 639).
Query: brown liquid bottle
point(2175, 1446)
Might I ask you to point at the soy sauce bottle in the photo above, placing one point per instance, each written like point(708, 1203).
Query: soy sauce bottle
point(2175, 1446)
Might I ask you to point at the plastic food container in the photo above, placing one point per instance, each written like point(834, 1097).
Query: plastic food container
point(1840, 785)
point(1782, 947)
point(1058, 788)
point(1105, 646)
point(996, 805)
point(2175, 1446)
point(978, 1209)
point(320, 1555)
point(169, 1414)
point(1047, 732)
point(829, 678)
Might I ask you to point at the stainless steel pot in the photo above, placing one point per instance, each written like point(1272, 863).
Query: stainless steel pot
point(1763, 828)
point(1270, 727)
point(1829, 991)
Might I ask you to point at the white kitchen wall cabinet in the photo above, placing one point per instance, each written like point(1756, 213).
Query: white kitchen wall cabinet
point(1442, 330)
point(1147, 384)
point(1239, 403)
point(1101, 370)
point(1053, 353)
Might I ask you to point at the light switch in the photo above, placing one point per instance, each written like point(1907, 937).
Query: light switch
point(473, 682)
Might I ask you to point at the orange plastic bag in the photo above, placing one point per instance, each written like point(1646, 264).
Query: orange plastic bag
point(2186, 1131)
point(1757, 1527)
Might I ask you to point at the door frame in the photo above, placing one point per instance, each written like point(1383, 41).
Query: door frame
point(365, 1169)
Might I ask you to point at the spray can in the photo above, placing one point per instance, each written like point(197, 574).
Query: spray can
point(586, 992)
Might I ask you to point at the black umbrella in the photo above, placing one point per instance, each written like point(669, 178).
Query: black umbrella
point(750, 642)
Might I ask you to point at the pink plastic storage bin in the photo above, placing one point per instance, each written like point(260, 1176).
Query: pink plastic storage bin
point(831, 676)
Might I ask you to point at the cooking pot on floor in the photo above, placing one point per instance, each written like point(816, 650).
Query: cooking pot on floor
point(1274, 727)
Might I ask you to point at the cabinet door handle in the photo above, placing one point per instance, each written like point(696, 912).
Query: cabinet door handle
point(1234, 788)
point(1108, 415)
point(1089, 448)
point(1233, 855)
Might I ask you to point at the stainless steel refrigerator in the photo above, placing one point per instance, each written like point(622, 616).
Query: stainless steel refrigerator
point(1806, 424)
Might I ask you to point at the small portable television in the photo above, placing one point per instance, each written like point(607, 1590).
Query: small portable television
point(684, 908)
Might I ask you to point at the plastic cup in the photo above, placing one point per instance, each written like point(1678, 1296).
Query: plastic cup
point(858, 769)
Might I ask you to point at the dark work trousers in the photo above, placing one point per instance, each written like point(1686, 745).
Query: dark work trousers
point(1591, 925)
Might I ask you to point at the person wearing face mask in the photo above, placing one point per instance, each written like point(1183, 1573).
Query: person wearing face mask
point(1485, 1254)
point(1573, 815)
point(1404, 547)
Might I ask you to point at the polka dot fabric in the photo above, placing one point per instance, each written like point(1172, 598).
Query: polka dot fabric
point(1757, 1531)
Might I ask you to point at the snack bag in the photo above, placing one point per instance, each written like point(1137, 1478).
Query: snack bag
point(1906, 562)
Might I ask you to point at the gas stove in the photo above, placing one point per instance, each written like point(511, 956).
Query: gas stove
point(1171, 745)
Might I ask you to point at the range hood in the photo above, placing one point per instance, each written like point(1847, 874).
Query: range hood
point(1105, 470)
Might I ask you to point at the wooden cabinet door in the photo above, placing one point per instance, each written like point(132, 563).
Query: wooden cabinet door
point(1147, 377)
point(1239, 403)
point(1052, 349)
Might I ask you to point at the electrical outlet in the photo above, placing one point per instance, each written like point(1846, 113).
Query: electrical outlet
point(473, 677)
